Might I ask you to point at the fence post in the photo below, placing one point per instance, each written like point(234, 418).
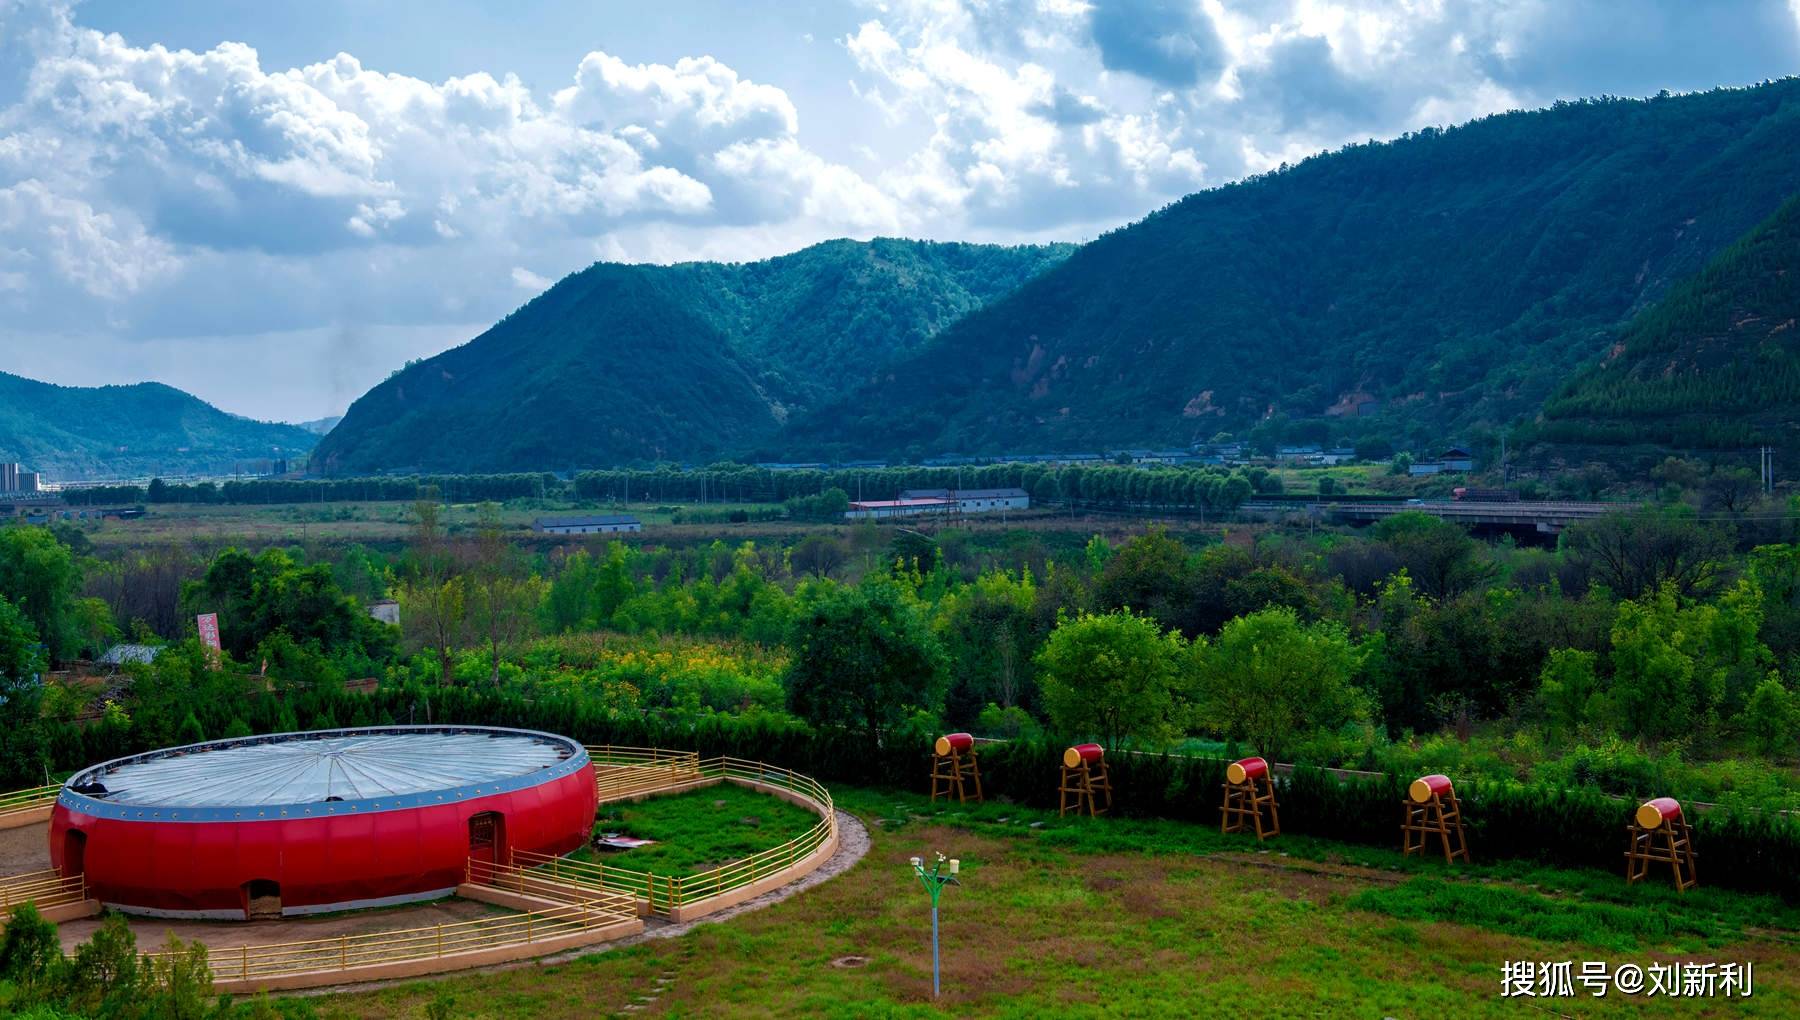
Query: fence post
point(244, 960)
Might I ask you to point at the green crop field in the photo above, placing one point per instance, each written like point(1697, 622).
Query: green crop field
point(1085, 918)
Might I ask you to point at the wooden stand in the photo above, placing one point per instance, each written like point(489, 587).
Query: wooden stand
point(954, 774)
point(1083, 785)
point(1670, 843)
point(1244, 804)
point(1441, 816)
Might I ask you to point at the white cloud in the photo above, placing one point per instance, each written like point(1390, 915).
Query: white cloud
point(125, 169)
point(525, 279)
point(103, 257)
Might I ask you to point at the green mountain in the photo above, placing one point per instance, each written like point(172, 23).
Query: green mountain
point(621, 363)
point(1429, 286)
point(73, 432)
point(1714, 364)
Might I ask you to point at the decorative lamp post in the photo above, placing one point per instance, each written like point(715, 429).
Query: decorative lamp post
point(934, 882)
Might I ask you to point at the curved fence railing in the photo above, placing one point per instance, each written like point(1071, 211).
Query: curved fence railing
point(19, 802)
point(623, 772)
point(45, 889)
point(616, 905)
point(667, 894)
point(371, 949)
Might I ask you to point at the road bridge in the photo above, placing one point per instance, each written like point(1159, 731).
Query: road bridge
point(1545, 517)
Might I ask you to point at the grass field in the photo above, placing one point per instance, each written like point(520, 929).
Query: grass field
point(321, 526)
point(1107, 918)
point(700, 830)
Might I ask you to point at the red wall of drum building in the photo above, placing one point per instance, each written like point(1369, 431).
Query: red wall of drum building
point(335, 859)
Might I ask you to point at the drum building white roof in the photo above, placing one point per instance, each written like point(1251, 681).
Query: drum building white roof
point(334, 765)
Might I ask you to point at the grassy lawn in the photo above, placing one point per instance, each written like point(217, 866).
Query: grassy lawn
point(699, 830)
point(1137, 918)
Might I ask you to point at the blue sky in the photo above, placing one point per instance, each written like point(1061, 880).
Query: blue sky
point(273, 205)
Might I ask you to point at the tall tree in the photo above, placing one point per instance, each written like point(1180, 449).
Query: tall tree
point(1638, 552)
point(21, 748)
point(1113, 675)
point(38, 575)
point(433, 599)
point(1270, 680)
point(863, 657)
point(503, 597)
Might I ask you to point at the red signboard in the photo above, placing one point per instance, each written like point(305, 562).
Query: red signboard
point(209, 633)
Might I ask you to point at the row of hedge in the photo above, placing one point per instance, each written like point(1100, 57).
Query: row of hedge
point(1745, 850)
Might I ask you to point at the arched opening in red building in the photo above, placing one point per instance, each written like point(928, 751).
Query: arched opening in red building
point(487, 837)
point(262, 900)
point(74, 853)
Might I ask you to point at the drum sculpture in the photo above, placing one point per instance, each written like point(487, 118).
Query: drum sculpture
point(1086, 780)
point(1250, 799)
point(1431, 809)
point(1659, 834)
point(954, 771)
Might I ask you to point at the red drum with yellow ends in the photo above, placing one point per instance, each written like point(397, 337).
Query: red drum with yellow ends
point(1090, 753)
point(954, 742)
point(1426, 787)
point(1654, 814)
point(1245, 769)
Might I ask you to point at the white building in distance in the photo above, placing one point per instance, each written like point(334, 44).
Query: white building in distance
point(597, 524)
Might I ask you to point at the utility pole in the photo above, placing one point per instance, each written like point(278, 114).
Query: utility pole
point(934, 882)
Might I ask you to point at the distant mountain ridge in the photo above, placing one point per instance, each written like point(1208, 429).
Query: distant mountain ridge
point(621, 363)
point(1447, 283)
point(74, 433)
point(1714, 364)
point(1441, 284)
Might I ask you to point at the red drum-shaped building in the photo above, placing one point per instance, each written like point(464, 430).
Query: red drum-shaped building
point(298, 823)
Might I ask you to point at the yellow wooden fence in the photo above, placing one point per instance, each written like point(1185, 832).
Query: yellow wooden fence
point(45, 888)
point(621, 772)
point(16, 801)
point(244, 963)
point(663, 893)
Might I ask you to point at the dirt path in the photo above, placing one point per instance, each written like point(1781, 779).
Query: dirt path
point(24, 849)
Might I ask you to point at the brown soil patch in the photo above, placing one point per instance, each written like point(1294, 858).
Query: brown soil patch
point(24, 849)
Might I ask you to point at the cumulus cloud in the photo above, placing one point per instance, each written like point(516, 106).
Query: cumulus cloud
point(124, 166)
point(1170, 42)
point(525, 279)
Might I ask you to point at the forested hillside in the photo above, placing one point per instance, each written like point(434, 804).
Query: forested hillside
point(71, 432)
point(1715, 364)
point(1438, 283)
point(622, 363)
